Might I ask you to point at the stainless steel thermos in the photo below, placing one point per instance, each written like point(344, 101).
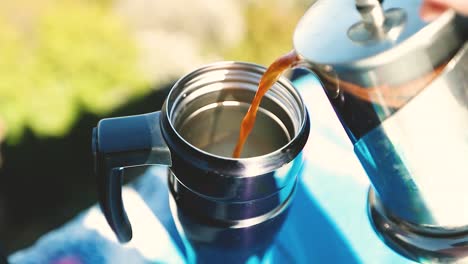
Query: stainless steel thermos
point(215, 198)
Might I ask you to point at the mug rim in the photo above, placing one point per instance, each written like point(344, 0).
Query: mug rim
point(247, 67)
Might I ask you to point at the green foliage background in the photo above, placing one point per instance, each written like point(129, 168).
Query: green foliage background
point(76, 56)
point(270, 28)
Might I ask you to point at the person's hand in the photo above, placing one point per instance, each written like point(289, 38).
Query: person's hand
point(433, 8)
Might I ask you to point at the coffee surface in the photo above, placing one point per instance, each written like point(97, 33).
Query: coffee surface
point(215, 130)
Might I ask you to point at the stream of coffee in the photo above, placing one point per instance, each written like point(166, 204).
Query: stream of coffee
point(271, 75)
point(385, 95)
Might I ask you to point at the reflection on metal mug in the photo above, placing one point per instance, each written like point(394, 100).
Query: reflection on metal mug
point(216, 199)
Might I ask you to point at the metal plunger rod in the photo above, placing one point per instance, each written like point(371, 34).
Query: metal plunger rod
point(371, 12)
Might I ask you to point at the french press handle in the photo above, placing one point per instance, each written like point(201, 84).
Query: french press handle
point(118, 144)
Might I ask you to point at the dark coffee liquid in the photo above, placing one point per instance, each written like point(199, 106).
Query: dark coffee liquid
point(268, 79)
point(361, 109)
point(390, 96)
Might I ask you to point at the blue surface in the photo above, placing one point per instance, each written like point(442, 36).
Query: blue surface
point(327, 222)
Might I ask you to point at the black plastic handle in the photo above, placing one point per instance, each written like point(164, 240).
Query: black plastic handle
point(3, 256)
point(120, 143)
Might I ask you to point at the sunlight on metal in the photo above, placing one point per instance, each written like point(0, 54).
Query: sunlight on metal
point(443, 195)
point(230, 103)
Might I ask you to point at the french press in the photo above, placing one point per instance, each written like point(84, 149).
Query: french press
point(399, 86)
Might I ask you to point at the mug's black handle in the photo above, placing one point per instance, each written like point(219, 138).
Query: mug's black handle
point(120, 143)
point(3, 256)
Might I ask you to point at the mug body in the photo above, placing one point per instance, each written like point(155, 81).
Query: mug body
point(216, 199)
point(221, 200)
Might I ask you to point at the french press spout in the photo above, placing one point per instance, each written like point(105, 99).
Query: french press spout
point(399, 86)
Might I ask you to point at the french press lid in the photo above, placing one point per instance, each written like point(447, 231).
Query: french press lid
point(362, 39)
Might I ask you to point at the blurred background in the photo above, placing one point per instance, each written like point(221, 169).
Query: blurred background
point(65, 64)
